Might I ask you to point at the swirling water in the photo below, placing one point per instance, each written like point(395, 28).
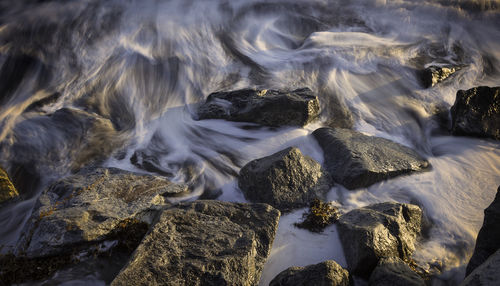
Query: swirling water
point(141, 68)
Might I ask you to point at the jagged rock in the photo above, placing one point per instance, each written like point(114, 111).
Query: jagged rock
point(327, 273)
point(7, 189)
point(486, 274)
point(393, 271)
point(434, 75)
point(356, 160)
point(380, 230)
point(286, 180)
point(204, 243)
point(488, 239)
point(265, 107)
point(476, 112)
point(90, 206)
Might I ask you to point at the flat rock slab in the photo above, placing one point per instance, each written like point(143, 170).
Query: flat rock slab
point(286, 180)
point(262, 106)
point(89, 206)
point(486, 274)
point(204, 243)
point(476, 112)
point(394, 271)
point(7, 189)
point(327, 273)
point(380, 230)
point(355, 160)
point(488, 239)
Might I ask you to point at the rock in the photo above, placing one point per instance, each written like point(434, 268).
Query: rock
point(356, 160)
point(476, 112)
point(91, 206)
point(376, 231)
point(486, 274)
point(435, 74)
point(204, 243)
point(393, 271)
point(286, 180)
point(319, 216)
point(488, 239)
point(265, 107)
point(327, 273)
point(7, 189)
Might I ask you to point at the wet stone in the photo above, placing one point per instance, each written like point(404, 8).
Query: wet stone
point(7, 189)
point(435, 74)
point(327, 273)
point(394, 271)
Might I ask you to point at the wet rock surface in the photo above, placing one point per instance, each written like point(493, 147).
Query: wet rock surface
point(204, 243)
point(320, 215)
point(435, 74)
point(327, 273)
point(286, 180)
point(488, 239)
point(92, 206)
point(376, 231)
point(356, 160)
point(486, 274)
point(265, 107)
point(7, 189)
point(394, 271)
point(476, 112)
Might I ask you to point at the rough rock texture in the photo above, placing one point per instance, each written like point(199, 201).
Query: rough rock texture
point(486, 274)
point(265, 107)
point(380, 230)
point(7, 189)
point(285, 180)
point(90, 206)
point(488, 239)
point(356, 160)
point(204, 243)
point(320, 215)
point(327, 273)
point(434, 74)
point(476, 112)
point(392, 271)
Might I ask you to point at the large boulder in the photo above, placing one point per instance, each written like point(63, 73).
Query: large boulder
point(265, 107)
point(476, 112)
point(486, 274)
point(435, 74)
point(394, 272)
point(356, 160)
point(7, 189)
point(91, 206)
point(327, 273)
point(204, 243)
point(376, 231)
point(488, 239)
point(286, 180)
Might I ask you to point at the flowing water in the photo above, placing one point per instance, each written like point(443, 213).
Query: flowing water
point(135, 72)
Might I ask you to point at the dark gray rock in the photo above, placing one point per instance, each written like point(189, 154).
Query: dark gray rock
point(90, 206)
point(327, 273)
point(393, 271)
point(265, 107)
point(356, 160)
point(286, 180)
point(435, 74)
point(486, 274)
point(476, 112)
point(204, 243)
point(376, 231)
point(488, 239)
point(7, 189)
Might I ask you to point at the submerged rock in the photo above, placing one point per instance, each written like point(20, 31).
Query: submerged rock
point(320, 215)
point(486, 274)
point(434, 75)
point(488, 239)
point(7, 189)
point(327, 273)
point(376, 231)
point(92, 206)
point(476, 112)
point(265, 107)
point(286, 180)
point(394, 271)
point(356, 160)
point(204, 243)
